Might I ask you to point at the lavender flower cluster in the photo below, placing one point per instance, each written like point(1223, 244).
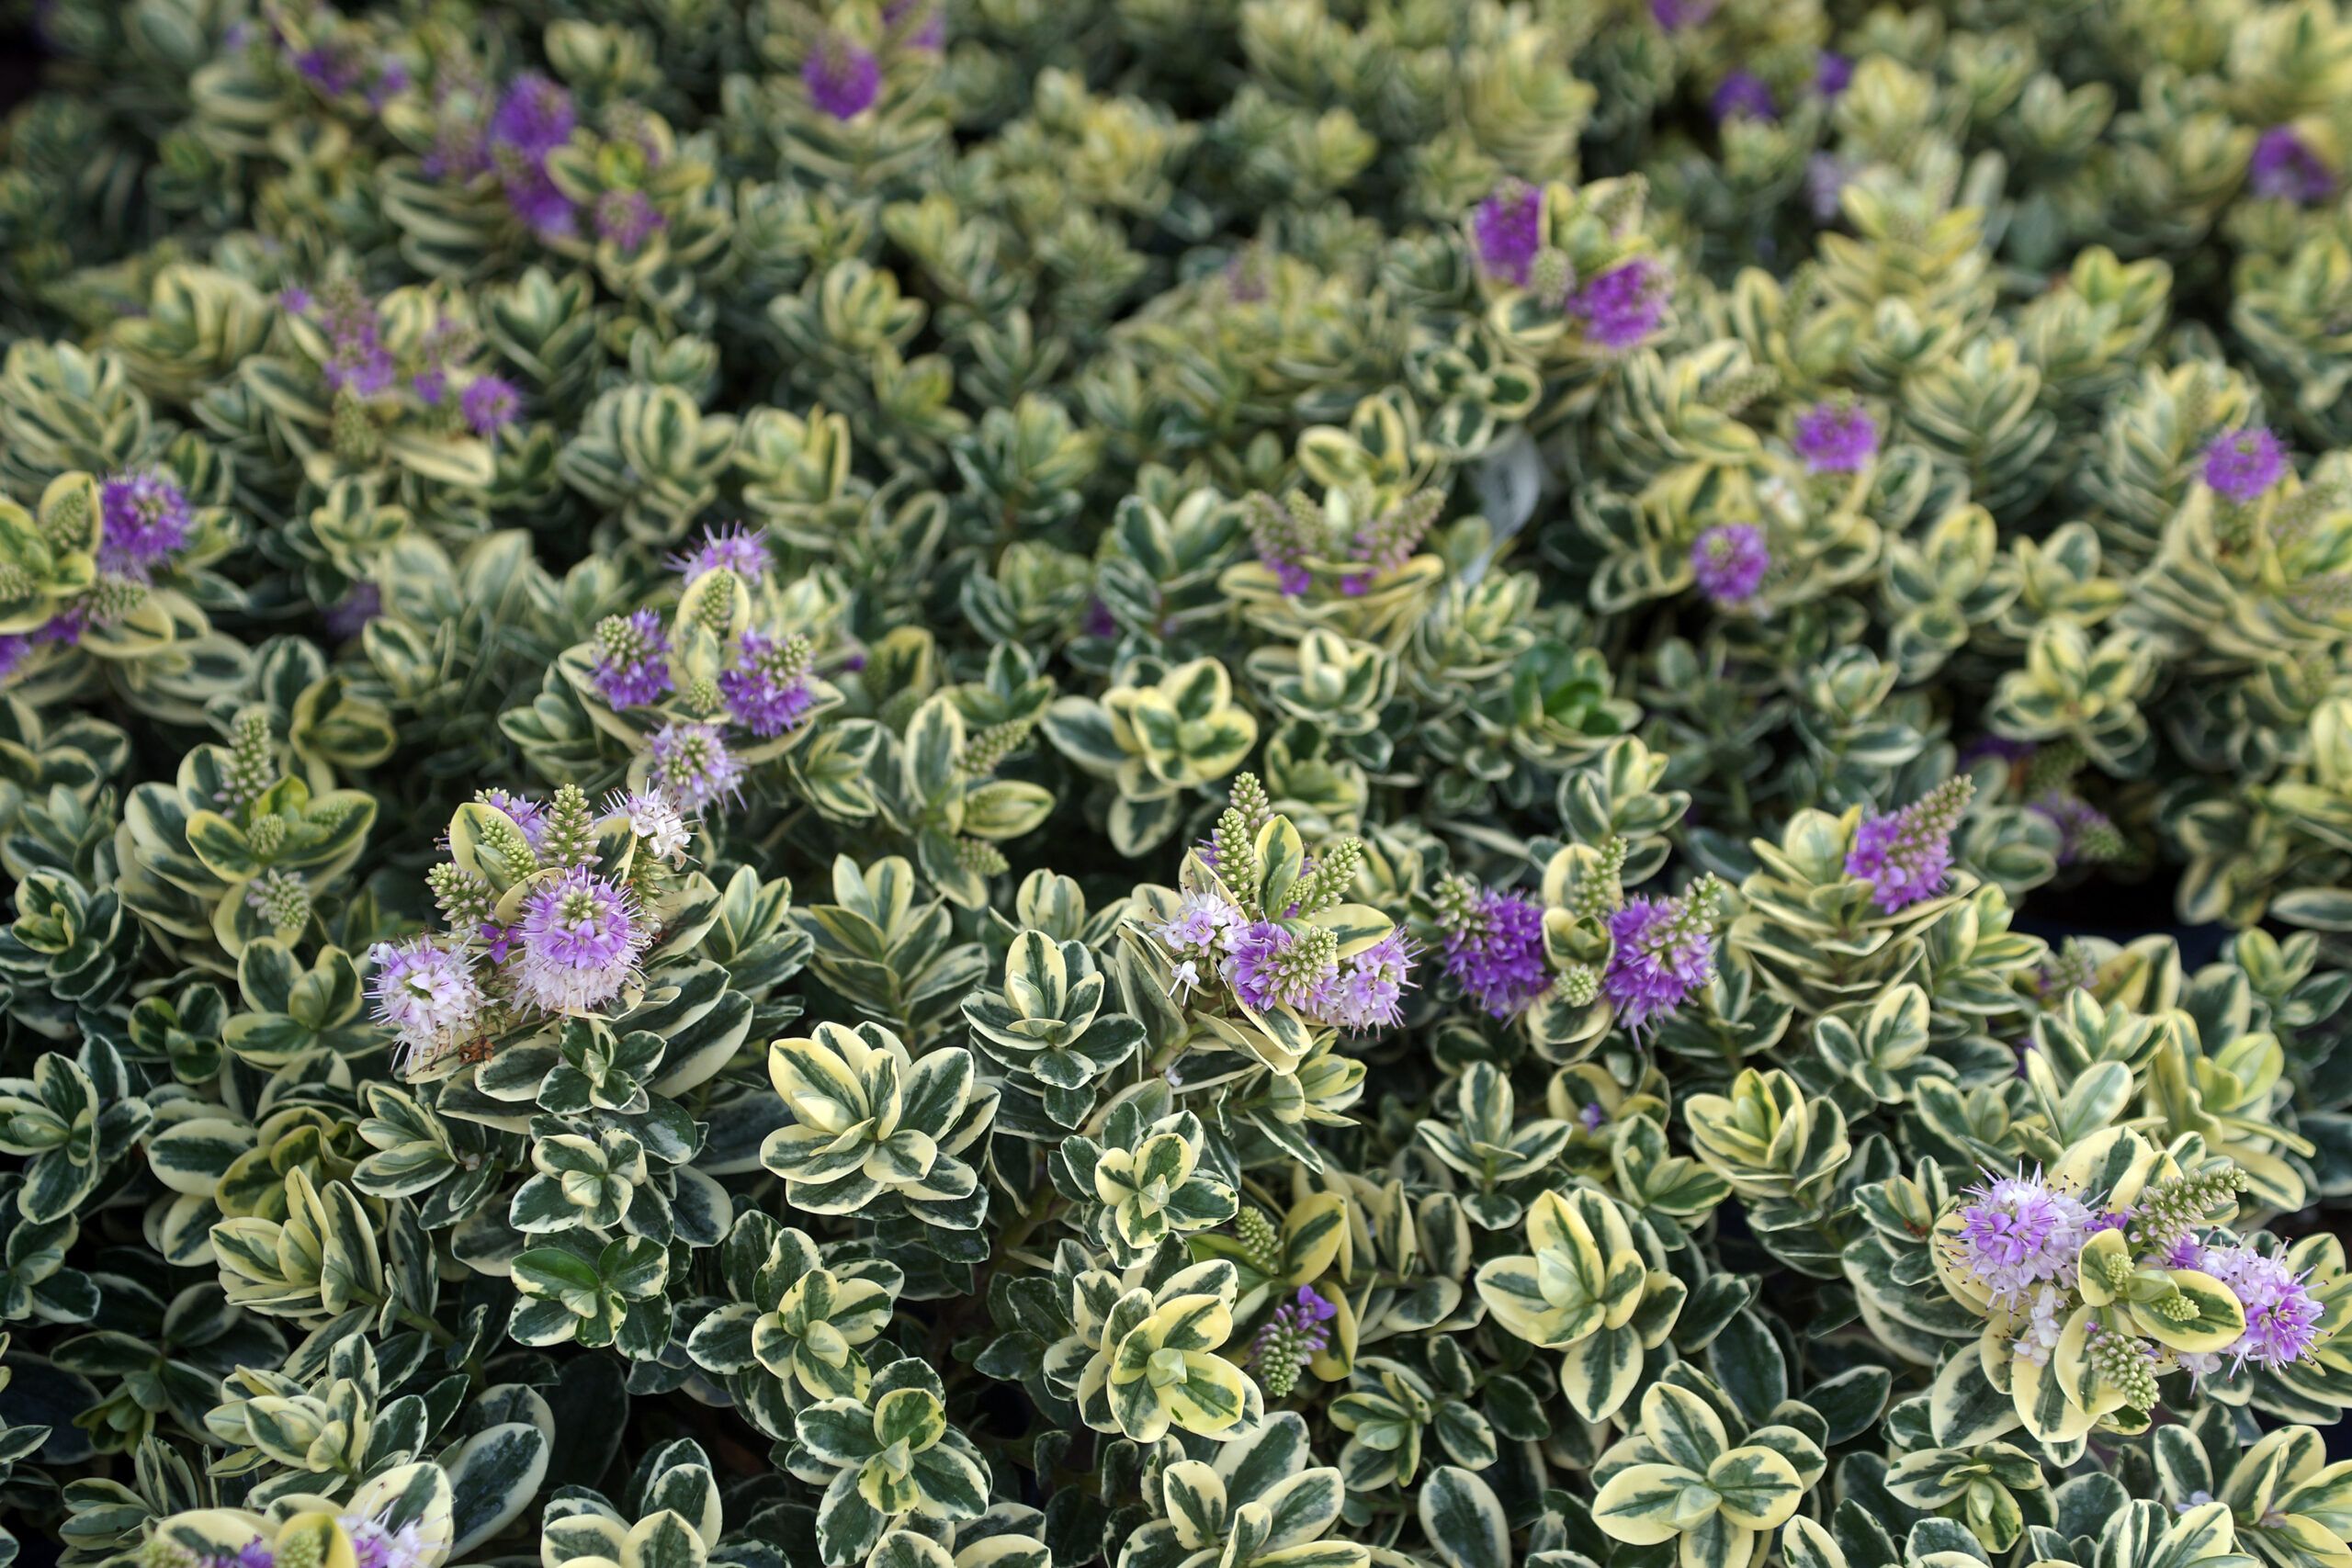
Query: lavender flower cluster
point(764, 690)
point(573, 943)
point(1269, 964)
point(2021, 1239)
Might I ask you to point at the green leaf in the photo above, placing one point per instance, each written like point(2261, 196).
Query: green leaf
point(1463, 1519)
point(492, 1478)
point(1964, 1408)
point(1746, 1360)
point(934, 739)
point(1282, 854)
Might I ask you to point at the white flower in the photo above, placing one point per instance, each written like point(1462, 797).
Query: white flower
point(655, 818)
point(376, 1547)
point(425, 994)
point(2042, 1328)
point(1203, 923)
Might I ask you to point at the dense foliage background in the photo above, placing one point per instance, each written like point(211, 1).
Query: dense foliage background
point(1273, 784)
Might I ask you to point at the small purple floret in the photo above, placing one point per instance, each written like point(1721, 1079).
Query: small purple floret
point(1743, 95)
point(1509, 228)
point(2282, 1317)
point(489, 403)
point(1369, 992)
point(145, 518)
point(2242, 464)
point(533, 116)
point(733, 549)
point(1904, 855)
point(1661, 954)
point(581, 936)
point(1835, 438)
point(425, 994)
point(767, 692)
point(842, 79)
point(1252, 972)
point(1623, 305)
point(1496, 957)
point(693, 765)
point(2019, 1233)
point(635, 667)
point(1729, 562)
point(2284, 166)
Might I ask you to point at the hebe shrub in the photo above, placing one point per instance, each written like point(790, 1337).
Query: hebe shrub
point(1176, 784)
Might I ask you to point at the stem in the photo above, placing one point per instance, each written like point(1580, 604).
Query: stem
point(427, 1326)
point(1029, 1221)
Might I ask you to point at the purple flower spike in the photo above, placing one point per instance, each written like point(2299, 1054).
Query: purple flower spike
point(692, 766)
point(376, 1545)
point(768, 692)
point(1904, 855)
point(66, 627)
point(2282, 1317)
point(1832, 74)
point(633, 661)
point(538, 205)
point(2284, 166)
point(425, 994)
point(1370, 991)
point(581, 936)
point(1835, 438)
point(1730, 561)
point(1256, 975)
point(1743, 96)
point(2081, 826)
point(1290, 1340)
point(1621, 305)
point(1495, 953)
point(1509, 226)
point(327, 71)
point(1663, 950)
point(842, 79)
point(2242, 464)
point(733, 549)
point(366, 374)
point(2018, 1233)
point(489, 403)
point(146, 518)
point(534, 116)
point(1196, 939)
point(527, 814)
